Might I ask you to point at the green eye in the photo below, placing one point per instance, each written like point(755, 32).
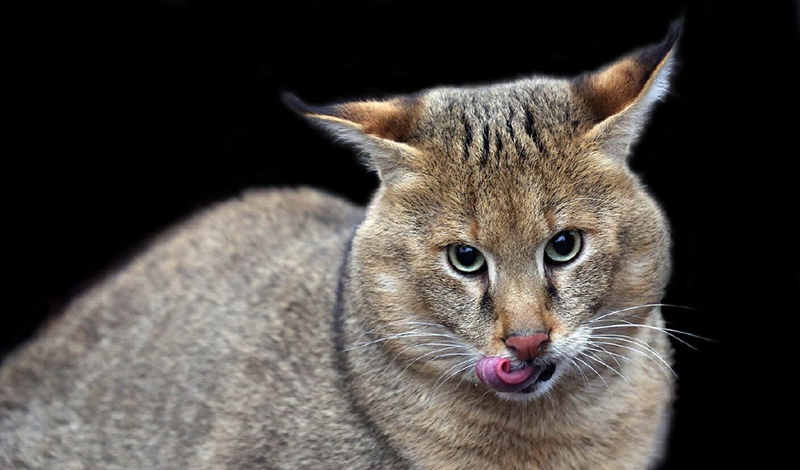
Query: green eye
point(564, 247)
point(466, 259)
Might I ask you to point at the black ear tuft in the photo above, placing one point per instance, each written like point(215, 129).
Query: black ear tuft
point(379, 128)
point(299, 106)
point(674, 33)
point(619, 97)
point(650, 57)
point(293, 102)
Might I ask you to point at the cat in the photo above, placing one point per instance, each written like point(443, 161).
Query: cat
point(496, 304)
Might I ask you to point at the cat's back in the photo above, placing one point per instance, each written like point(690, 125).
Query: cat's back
point(180, 358)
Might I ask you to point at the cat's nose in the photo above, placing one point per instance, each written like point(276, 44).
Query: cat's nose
point(527, 347)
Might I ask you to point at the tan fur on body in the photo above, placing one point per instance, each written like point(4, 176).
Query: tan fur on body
point(282, 331)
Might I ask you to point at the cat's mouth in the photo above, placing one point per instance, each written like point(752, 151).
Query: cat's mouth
point(497, 372)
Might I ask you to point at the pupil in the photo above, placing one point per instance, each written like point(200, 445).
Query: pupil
point(564, 244)
point(466, 255)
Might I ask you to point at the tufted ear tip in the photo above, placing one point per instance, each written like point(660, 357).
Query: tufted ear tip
point(293, 102)
point(391, 119)
point(313, 112)
point(619, 97)
point(382, 129)
point(651, 57)
point(628, 80)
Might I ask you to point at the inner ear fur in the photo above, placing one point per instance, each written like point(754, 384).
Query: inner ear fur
point(627, 81)
point(619, 97)
point(382, 129)
point(391, 120)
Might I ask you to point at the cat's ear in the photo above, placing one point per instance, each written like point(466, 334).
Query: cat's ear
point(620, 96)
point(381, 129)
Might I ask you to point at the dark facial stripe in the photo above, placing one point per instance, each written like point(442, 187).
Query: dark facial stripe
point(513, 135)
point(552, 292)
point(485, 154)
point(467, 138)
point(529, 128)
point(499, 143)
point(486, 303)
point(509, 125)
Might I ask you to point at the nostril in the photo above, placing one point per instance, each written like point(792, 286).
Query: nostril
point(527, 347)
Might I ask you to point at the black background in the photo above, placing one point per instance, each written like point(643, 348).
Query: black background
point(135, 114)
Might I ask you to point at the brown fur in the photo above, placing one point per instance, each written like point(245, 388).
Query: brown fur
point(392, 120)
point(252, 337)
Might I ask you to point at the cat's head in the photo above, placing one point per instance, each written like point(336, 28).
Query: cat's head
point(507, 223)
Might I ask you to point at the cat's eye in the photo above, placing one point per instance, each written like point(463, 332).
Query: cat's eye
point(564, 247)
point(466, 259)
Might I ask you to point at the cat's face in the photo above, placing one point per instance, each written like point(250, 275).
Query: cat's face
point(508, 229)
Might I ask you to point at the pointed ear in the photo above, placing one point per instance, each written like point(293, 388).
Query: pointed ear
point(620, 96)
point(381, 129)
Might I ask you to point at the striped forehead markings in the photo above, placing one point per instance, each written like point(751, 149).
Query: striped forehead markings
point(491, 132)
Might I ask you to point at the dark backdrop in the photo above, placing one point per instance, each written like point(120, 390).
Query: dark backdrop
point(135, 114)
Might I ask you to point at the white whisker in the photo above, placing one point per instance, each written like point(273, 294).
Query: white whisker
point(636, 307)
point(422, 345)
point(591, 355)
point(438, 356)
point(401, 324)
point(434, 340)
point(406, 334)
point(460, 368)
point(595, 371)
point(445, 347)
point(671, 332)
point(633, 340)
point(602, 350)
point(424, 323)
point(578, 368)
point(643, 353)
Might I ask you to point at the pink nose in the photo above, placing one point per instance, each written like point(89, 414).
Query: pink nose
point(527, 347)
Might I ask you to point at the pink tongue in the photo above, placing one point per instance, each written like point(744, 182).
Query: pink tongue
point(495, 372)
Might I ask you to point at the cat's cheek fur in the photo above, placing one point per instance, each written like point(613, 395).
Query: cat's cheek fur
point(455, 304)
point(579, 288)
point(644, 270)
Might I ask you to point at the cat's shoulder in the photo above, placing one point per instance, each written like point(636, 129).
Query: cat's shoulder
point(227, 249)
point(298, 203)
point(284, 211)
point(251, 236)
point(246, 247)
point(257, 221)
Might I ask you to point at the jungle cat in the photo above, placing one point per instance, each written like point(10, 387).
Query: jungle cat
point(495, 305)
